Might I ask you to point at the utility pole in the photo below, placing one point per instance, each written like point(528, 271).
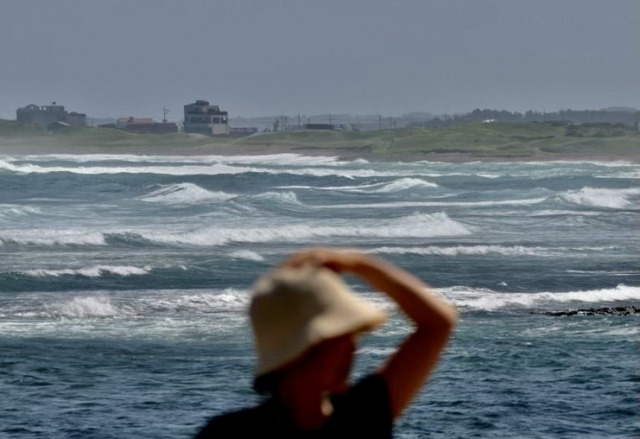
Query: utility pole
point(164, 115)
point(379, 122)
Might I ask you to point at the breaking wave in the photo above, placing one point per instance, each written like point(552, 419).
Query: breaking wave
point(184, 193)
point(49, 237)
point(482, 299)
point(417, 225)
point(81, 307)
point(283, 159)
point(93, 271)
point(598, 197)
point(315, 168)
point(460, 250)
point(398, 185)
point(141, 304)
point(247, 255)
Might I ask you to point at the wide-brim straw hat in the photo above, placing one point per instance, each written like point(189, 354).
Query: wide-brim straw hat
point(293, 309)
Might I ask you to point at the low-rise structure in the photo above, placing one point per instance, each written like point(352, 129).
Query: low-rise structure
point(201, 117)
point(47, 115)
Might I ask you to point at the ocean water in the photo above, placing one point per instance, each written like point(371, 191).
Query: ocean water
point(124, 281)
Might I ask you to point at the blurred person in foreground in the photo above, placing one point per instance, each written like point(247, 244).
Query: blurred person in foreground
point(305, 322)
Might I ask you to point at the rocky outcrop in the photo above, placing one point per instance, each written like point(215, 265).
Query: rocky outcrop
point(617, 311)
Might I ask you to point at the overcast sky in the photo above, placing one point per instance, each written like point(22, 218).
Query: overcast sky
point(258, 57)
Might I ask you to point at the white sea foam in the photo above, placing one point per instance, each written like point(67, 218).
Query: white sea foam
point(93, 271)
point(228, 300)
point(405, 183)
point(246, 254)
point(489, 300)
point(283, 159)
point(417, 225)
point(271, 197)
point(164, 304)
point(472, 250)
point(214, 168)
point(82, 307)
point(51, 237)
point(598, 197)
point(185, 193)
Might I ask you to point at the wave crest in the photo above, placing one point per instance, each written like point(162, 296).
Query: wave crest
point(599, 197)
point(82, 307)
point(94, 271)
point(412, 226)
point(484, 299)
point(461, 250)
point(51, 237)
point(184, 193)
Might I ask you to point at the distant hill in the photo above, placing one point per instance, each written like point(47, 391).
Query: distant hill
point(613, 115)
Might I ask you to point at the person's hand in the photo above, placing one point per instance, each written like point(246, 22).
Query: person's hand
point(338, 260)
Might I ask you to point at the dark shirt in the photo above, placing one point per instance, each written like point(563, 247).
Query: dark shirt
point(363, 411)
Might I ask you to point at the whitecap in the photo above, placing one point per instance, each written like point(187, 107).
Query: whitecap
point(412, 226)
point(51, 237)
point(184, 193)
point(228, 300)
point(599, 197)
point(489, 300)
point(92, 271)
point(285, 159)
point(82, 307)
point(247, 254)
point(461, 250)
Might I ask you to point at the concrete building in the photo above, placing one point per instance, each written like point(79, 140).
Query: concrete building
point(48, 115)
point(200, 117)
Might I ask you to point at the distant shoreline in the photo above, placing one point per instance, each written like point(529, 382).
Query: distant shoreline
point(496, 142)
point(18, 149)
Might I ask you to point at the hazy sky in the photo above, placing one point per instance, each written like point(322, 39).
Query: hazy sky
point(258, 57)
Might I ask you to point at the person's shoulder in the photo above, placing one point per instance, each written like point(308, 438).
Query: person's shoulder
point(235, 423)
point(364, 410)
point(368, 396)
point(370, 385)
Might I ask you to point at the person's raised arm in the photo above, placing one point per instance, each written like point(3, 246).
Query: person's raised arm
point(406, 370)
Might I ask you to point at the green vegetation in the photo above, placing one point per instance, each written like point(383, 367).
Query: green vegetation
point(546, 140)
point(484, 140)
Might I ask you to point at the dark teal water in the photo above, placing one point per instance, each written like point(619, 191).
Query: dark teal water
point(124, 283)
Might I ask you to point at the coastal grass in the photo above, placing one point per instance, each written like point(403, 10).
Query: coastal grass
point(518, 141)
point(485, 140)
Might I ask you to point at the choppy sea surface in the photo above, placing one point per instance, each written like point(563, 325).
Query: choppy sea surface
point(124, 281)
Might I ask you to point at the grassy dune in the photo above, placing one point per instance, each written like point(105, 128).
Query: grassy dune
point(490, 141)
